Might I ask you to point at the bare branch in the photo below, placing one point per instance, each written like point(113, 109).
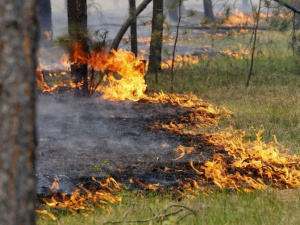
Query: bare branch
point(160, 216)
point(127, 23)
point(287, 6)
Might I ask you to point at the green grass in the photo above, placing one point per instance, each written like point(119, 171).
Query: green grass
point(272, 101)
point(261, 207)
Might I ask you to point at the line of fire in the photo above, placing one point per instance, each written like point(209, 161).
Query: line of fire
point(104, 128)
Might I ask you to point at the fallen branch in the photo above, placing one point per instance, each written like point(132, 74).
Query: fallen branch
point(160, 216)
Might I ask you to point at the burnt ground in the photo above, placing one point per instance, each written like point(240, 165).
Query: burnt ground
point(84, 137)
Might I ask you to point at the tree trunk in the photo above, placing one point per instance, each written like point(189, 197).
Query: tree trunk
point(17, 111)
point(77, 23)
point(208, 10)
point(45, 20)
point(246, 6)
point(116, 4)
point(156, 37)
point(133, 31)
point(296, 4)
point(127, 23)
point(172, 10)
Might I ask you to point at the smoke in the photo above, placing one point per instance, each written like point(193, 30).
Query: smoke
point(82, 137)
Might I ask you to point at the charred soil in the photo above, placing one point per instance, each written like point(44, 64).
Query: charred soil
point(80, 138)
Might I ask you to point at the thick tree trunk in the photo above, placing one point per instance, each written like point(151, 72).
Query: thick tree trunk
point(45, 20)
point(18, 40)
point(208, 10)
point(77, 22)
point(156, 37)
point(133, 29)
point(127, 23)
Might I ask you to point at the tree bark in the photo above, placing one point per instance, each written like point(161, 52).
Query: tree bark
point(77, 23)
point(45, 20)
point(208, 10)
point(156, 37)
point(18, 43)
point(127, 23)
point(133, 30)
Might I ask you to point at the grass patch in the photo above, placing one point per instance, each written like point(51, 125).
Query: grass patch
point(262, 207)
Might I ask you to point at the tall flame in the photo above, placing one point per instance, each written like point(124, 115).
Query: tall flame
point(125, 76)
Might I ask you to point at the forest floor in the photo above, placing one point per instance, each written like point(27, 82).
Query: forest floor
point(270, 102)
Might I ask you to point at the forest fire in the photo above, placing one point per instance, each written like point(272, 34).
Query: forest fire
point(123, 75)
point(240, 19)
point(236, 162)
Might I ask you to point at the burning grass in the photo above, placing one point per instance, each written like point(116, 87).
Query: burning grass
point(261, 207)
point(240, 161)
point(83, 200)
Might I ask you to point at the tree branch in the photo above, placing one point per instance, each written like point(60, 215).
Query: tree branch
point(148, 219)
point(160, 216)
point(287, 6)
point(127, 23)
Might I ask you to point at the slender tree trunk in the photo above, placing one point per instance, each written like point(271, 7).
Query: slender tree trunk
point(257, 18)
point(133, 29)
point(156, 37)
point(116, 4)
point(246, 6)
point(127, 23)
point(45, 20)
point(297, 16)
point(172, 10)
point(175, 46)
point(17, 111)
point(208, 10)
point(77, 22)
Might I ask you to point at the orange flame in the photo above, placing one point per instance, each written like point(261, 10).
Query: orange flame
point(239, 19)
point(131, 81)
point(180, 61)
point(48, 34)
point(41, 83)
point(78, 201)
